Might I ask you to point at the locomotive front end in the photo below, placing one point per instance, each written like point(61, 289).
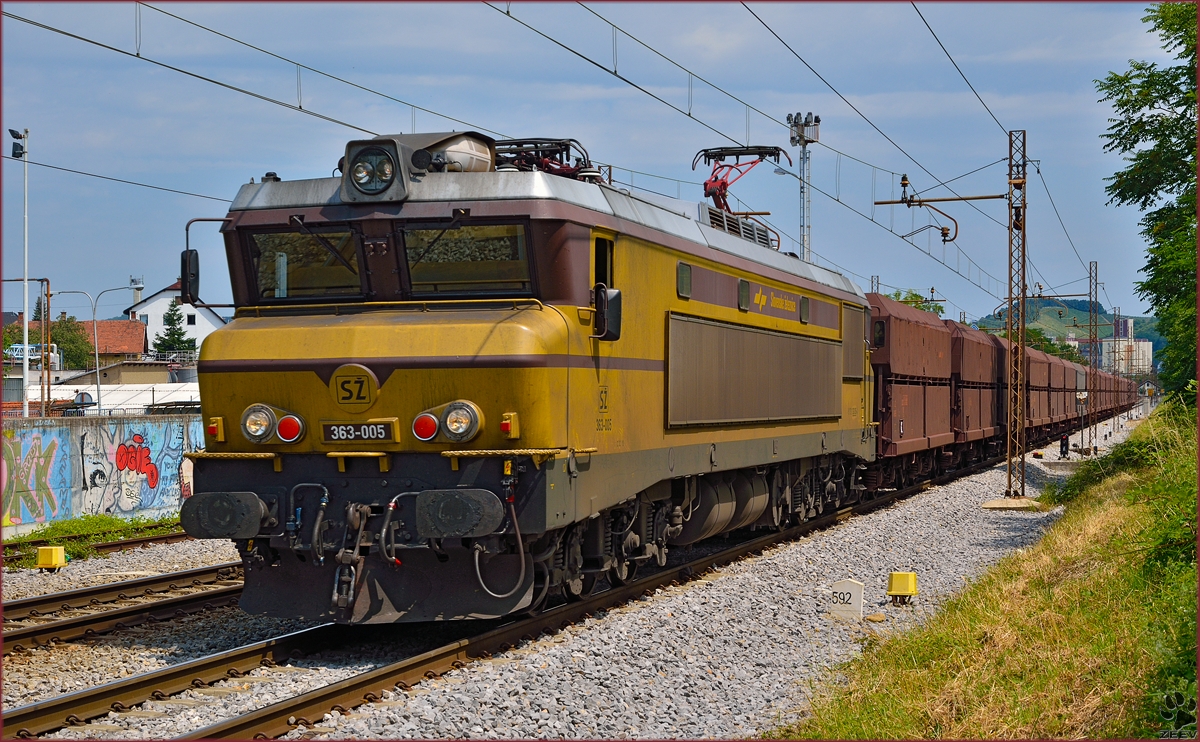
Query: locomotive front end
point(380, 350)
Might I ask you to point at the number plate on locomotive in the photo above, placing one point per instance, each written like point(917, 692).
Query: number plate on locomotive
point(372, 431)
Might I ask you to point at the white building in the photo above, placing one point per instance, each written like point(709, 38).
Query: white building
point(1126, 356)
point(198, 322)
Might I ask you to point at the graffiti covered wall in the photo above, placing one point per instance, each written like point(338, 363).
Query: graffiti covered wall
point(59, 468)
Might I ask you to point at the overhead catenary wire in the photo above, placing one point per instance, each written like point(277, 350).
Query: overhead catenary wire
point(601, 66)
point(983, 103)
point(613, 72)
point(861, 114)
point(344, 123)
point(960, 72)
point(181, 71)
point(1070, 241)
point(691, 74)
point(301, 65)
point(119, 180)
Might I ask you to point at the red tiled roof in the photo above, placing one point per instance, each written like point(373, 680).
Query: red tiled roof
point(118, 335)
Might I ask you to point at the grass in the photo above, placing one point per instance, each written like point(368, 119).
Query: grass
point(77, 535)
point(1080, 635)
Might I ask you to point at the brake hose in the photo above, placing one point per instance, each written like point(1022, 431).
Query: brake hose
point(317, 546)
point(520, 551)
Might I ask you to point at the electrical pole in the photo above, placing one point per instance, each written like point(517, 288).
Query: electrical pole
point(874, 284)
point(20, 150)
point(1015, 316)
point(1093, 352)
point(805, 130)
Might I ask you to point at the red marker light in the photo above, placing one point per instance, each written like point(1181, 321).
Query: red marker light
point(289, 428)
point(425, 427)
point(212, 430)
point(505, 426)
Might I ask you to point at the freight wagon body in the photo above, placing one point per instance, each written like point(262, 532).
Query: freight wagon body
point(973, 373)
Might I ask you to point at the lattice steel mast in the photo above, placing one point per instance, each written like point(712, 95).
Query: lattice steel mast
point(1015, 322)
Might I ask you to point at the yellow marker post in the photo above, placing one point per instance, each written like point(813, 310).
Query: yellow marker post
point(902, 587)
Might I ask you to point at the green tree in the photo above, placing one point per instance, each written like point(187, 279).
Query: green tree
point(69, 335)
point(173, 337)
point(915, 300)
point(1155, 131)
point(74, 342)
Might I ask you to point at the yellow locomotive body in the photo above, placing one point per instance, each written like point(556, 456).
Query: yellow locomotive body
point(411, 369)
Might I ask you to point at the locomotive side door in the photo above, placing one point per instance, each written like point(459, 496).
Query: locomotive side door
point(593, 385)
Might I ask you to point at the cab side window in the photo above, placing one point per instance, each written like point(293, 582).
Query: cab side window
point(603, 257)
point(877, 341)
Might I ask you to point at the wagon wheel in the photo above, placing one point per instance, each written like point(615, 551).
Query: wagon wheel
point(579, 588)
point(623, 573)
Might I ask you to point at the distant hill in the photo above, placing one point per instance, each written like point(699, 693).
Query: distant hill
point(1074, 320)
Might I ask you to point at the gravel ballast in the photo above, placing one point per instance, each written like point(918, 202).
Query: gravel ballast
point(729, 655)
point(117, 567)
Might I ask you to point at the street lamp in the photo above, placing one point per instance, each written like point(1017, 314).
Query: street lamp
point(134, 285)
point(804, 248)
point(20, 150)
point(805, 130)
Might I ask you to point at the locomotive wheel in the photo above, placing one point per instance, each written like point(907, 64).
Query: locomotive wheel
point(580, 587)
point(623, 573)
point(541, 595)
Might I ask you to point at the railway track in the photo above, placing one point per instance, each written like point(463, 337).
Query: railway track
point(92, 610)
point(26, 549)
point(273, 720)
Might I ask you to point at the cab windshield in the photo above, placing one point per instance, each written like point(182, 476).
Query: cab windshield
point(468, 259)
point(290, 265)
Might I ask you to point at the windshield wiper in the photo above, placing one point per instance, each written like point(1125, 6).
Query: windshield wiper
point(455, 223)
point(299, 222)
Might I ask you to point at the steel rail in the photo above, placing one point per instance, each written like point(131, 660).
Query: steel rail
point(27, 637)
point(88, 597)
point(79, 537)
point(108, 547)
point(29, 548)
point(76, 708)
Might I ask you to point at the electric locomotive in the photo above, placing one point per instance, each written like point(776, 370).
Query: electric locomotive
point(464, 375)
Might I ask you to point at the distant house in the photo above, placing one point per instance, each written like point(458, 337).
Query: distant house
point(198, 322)
point(117, 339)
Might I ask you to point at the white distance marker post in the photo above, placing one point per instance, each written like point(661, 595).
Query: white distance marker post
point(846, 599)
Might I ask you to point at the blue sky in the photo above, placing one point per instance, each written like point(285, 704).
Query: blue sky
point(99, 111)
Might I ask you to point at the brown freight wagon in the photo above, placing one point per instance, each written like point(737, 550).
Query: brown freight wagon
point(973, 373)
point(1059, 407)
point(911, 359)
point(1037, 380)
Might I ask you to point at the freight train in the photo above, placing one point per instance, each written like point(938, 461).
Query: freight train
point(466, 375)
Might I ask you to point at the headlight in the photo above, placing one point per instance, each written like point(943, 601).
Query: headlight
point(372, 170)
point(258, 422)
point(461, 421)
point(363, 172)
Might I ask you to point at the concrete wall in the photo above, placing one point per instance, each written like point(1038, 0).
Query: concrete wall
point(59, 468)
